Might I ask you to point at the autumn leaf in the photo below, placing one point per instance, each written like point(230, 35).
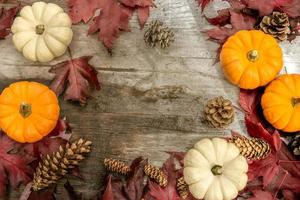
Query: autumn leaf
point(113, 16)
point(238, 21)
point(81, 10)
point(14, 166)
point(169, 192)
point(46, 194)
point(265, 7)
point(259, 195)
point(76, 77)
point(203, 3)
point(6, 19)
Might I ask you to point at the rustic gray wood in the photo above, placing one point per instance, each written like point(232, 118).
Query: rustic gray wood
point(152, 100)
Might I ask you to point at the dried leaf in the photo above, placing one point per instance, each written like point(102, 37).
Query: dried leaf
point(108, 193)
point(112, 18)
point(260, 194)
point(238, 21)
point(156, 192)
point(6, 19)
point(77, 77)
point(14, 166)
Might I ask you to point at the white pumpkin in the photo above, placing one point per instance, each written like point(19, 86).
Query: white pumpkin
point(215, 170)
point(42, 31)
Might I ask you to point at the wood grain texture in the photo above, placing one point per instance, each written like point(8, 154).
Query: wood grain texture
point(152, 100)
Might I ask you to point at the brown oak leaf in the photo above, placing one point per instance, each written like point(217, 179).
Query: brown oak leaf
point(14, 165)
point(76, 77)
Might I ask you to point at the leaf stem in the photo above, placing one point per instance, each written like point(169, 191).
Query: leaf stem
point(281, 182)
point(289, 161)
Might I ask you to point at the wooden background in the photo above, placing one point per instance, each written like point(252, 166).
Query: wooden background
point(152, 100)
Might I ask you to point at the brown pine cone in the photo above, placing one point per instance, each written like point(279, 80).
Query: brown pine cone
point(253, 148)
point(182, 188)
point(158, 34)
point(277, 24)
point(294, 144)
point(156, 174)
point(219, 112)
point(114, 165)
point(54, 167)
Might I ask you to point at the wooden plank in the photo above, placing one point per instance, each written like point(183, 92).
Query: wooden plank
point(152, 100)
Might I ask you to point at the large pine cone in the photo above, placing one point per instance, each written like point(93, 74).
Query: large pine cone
point(253, 148)
point(158, 34)
point(277, 24)
point(219, 112)
point(295, 145)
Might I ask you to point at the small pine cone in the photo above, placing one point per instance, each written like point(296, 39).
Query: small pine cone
point(114, 165)
point(294, 144)
point(276, 24)
point(219, 112)
point(156, 174)
point(158, 34)
point(254, 148)
point(54, 167)
point(182, 188)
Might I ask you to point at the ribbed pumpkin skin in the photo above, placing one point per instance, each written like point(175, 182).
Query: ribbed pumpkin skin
point(42, 118)
point(237, 66)
point(277, 103)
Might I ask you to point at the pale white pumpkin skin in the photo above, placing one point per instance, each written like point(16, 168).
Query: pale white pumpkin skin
point(200, 160)
point(52, 42)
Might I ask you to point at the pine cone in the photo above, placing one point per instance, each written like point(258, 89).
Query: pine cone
point(55, 166)
point(254, 148)
point(114, 165)
point(182, 188)
point(277, 24)
point(295, 144)
point(156, 174)
point(158, 34)
point(219, 112)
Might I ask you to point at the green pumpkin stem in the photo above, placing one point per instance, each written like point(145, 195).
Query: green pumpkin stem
point(216, 170)
point(25, 110)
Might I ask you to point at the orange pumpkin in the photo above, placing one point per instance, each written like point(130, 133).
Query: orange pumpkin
point(251, 59)
point(281, 103)
point(28, 111)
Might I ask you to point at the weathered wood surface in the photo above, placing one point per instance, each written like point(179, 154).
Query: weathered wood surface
point(152, 100)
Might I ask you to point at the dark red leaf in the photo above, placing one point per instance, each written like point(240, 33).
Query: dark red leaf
point(135, 183)
point(238, 21)
point(290, 7)
point(6, 19)
point(14, 166)
point(261, 195)
point(255, 129)
point(157, 192)
point(113, 18)
point(76, 77)
point(108, 193)
point(203, 3)
point(47, 194)
point(248, 100)
point(69, 192)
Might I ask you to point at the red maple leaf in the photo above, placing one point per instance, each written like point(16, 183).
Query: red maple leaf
point(112, 18)
point(260, 194)
point(77, 77)
point(169, 192)
point(6, 19)
point(238, 21)
point(265, 7)
point(14, 166)
point(130, 189)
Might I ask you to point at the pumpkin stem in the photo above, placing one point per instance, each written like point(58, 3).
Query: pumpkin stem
point(39, 29)
point(216, 170)
point(295, 100)
point(253, 55)
point(25, 109)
